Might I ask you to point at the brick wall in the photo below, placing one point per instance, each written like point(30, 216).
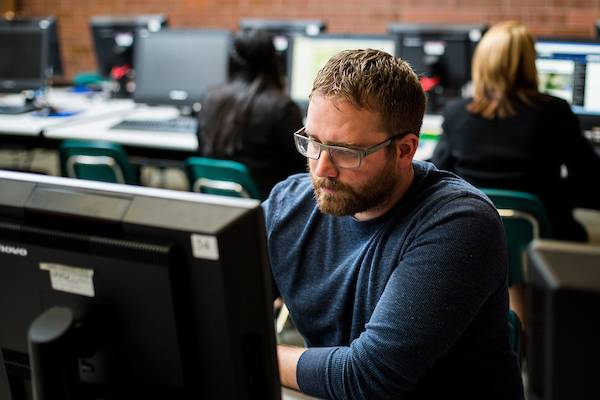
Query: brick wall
point(544, 17)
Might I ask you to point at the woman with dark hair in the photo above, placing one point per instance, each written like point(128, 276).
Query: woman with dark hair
point(250, 119)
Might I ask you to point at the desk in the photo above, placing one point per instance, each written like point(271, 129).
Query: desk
point(169, 145)
point(289, 394)
point(85, 108)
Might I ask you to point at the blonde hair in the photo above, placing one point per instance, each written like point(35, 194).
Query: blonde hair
point(376, 81)
point(504, 71)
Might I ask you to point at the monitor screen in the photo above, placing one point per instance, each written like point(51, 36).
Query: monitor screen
point(281, 30)
point(440, 55)
point(571, 70)
point(113, 291)
point(563, 303)
point(178, 66)
point(50, 23)
point(310, 53)
point(23, 57)
point(114, 38)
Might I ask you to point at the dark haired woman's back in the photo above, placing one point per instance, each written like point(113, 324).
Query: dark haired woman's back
point(263, 142)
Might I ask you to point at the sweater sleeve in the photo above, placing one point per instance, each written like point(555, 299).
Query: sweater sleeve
point(455, 261)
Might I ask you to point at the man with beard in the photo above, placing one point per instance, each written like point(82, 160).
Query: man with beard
point(393, 271)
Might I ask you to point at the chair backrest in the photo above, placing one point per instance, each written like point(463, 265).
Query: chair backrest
point(96, 160)
point(524, 218)
point(221, 177)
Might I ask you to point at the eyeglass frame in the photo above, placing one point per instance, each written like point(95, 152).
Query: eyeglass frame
point(360, 153)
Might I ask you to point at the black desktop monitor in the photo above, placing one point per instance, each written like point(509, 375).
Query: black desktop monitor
point(570, 69)
point(23, 58)
point(51, 25)
point(441, 55)
point(114, 38)
point(564, 321)
point(122, 292)
point(178, 66)
point(282, 29)
point(308, 54)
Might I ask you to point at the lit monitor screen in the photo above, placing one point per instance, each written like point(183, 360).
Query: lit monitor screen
point(571, 70)
point(23, 58)
point(178, 66)
point(310, 53)
point(123, 292)
point(114, 38)
point(281, 30)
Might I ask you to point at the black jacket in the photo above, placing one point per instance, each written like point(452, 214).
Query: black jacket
point(541, 150)
point(267, 144)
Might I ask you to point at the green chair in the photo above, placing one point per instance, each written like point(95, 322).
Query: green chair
point(98, 161)
point(515, 335)
point(524, 218)
point(220, 177)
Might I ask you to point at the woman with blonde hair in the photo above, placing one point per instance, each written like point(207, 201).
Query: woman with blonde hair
point(512, 136)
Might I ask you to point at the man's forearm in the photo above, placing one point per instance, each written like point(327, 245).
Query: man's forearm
point(288, 357)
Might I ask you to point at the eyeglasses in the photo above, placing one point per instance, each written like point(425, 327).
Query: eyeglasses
point(342, 157)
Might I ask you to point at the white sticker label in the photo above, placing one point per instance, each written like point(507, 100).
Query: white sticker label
point(70, 279)
point(204, 246)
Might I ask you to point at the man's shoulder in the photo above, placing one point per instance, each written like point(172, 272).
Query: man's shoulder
point(293, 185)
point(292, 193)
point(441, 187)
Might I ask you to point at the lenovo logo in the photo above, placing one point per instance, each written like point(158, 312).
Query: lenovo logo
point(16, 251)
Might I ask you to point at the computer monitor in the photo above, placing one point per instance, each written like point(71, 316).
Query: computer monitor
point(282, 29)
point(563, 300)
point(49, 23)
point(113, 291)
point(178, 66)
point(441, 55)
point(570, 69)
point(308, 54)
point(23, 58)
point(114, 38)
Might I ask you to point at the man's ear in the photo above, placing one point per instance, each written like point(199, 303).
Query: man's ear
point(406, 146)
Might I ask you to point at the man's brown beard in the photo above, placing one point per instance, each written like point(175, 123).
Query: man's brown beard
point(349, 201)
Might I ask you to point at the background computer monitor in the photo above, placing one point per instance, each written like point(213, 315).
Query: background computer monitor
point(281, 30)
point(49, 23)
point(178, 66)
point(171, 290)
point(29, 44)
point(563, 300)
point(114, 38)
point(570, 69)
point(308, 54)
point(441, 55)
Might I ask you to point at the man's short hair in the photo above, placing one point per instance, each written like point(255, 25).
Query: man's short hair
point(377, 81)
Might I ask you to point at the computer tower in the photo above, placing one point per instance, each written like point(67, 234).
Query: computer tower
point(564, 313)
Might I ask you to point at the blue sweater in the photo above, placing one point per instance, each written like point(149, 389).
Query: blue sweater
point(412, 304)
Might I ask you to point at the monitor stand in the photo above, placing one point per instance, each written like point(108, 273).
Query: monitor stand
point(52, 355)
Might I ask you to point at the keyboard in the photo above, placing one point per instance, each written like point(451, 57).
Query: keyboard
point(20, 109)
point(178, 125)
